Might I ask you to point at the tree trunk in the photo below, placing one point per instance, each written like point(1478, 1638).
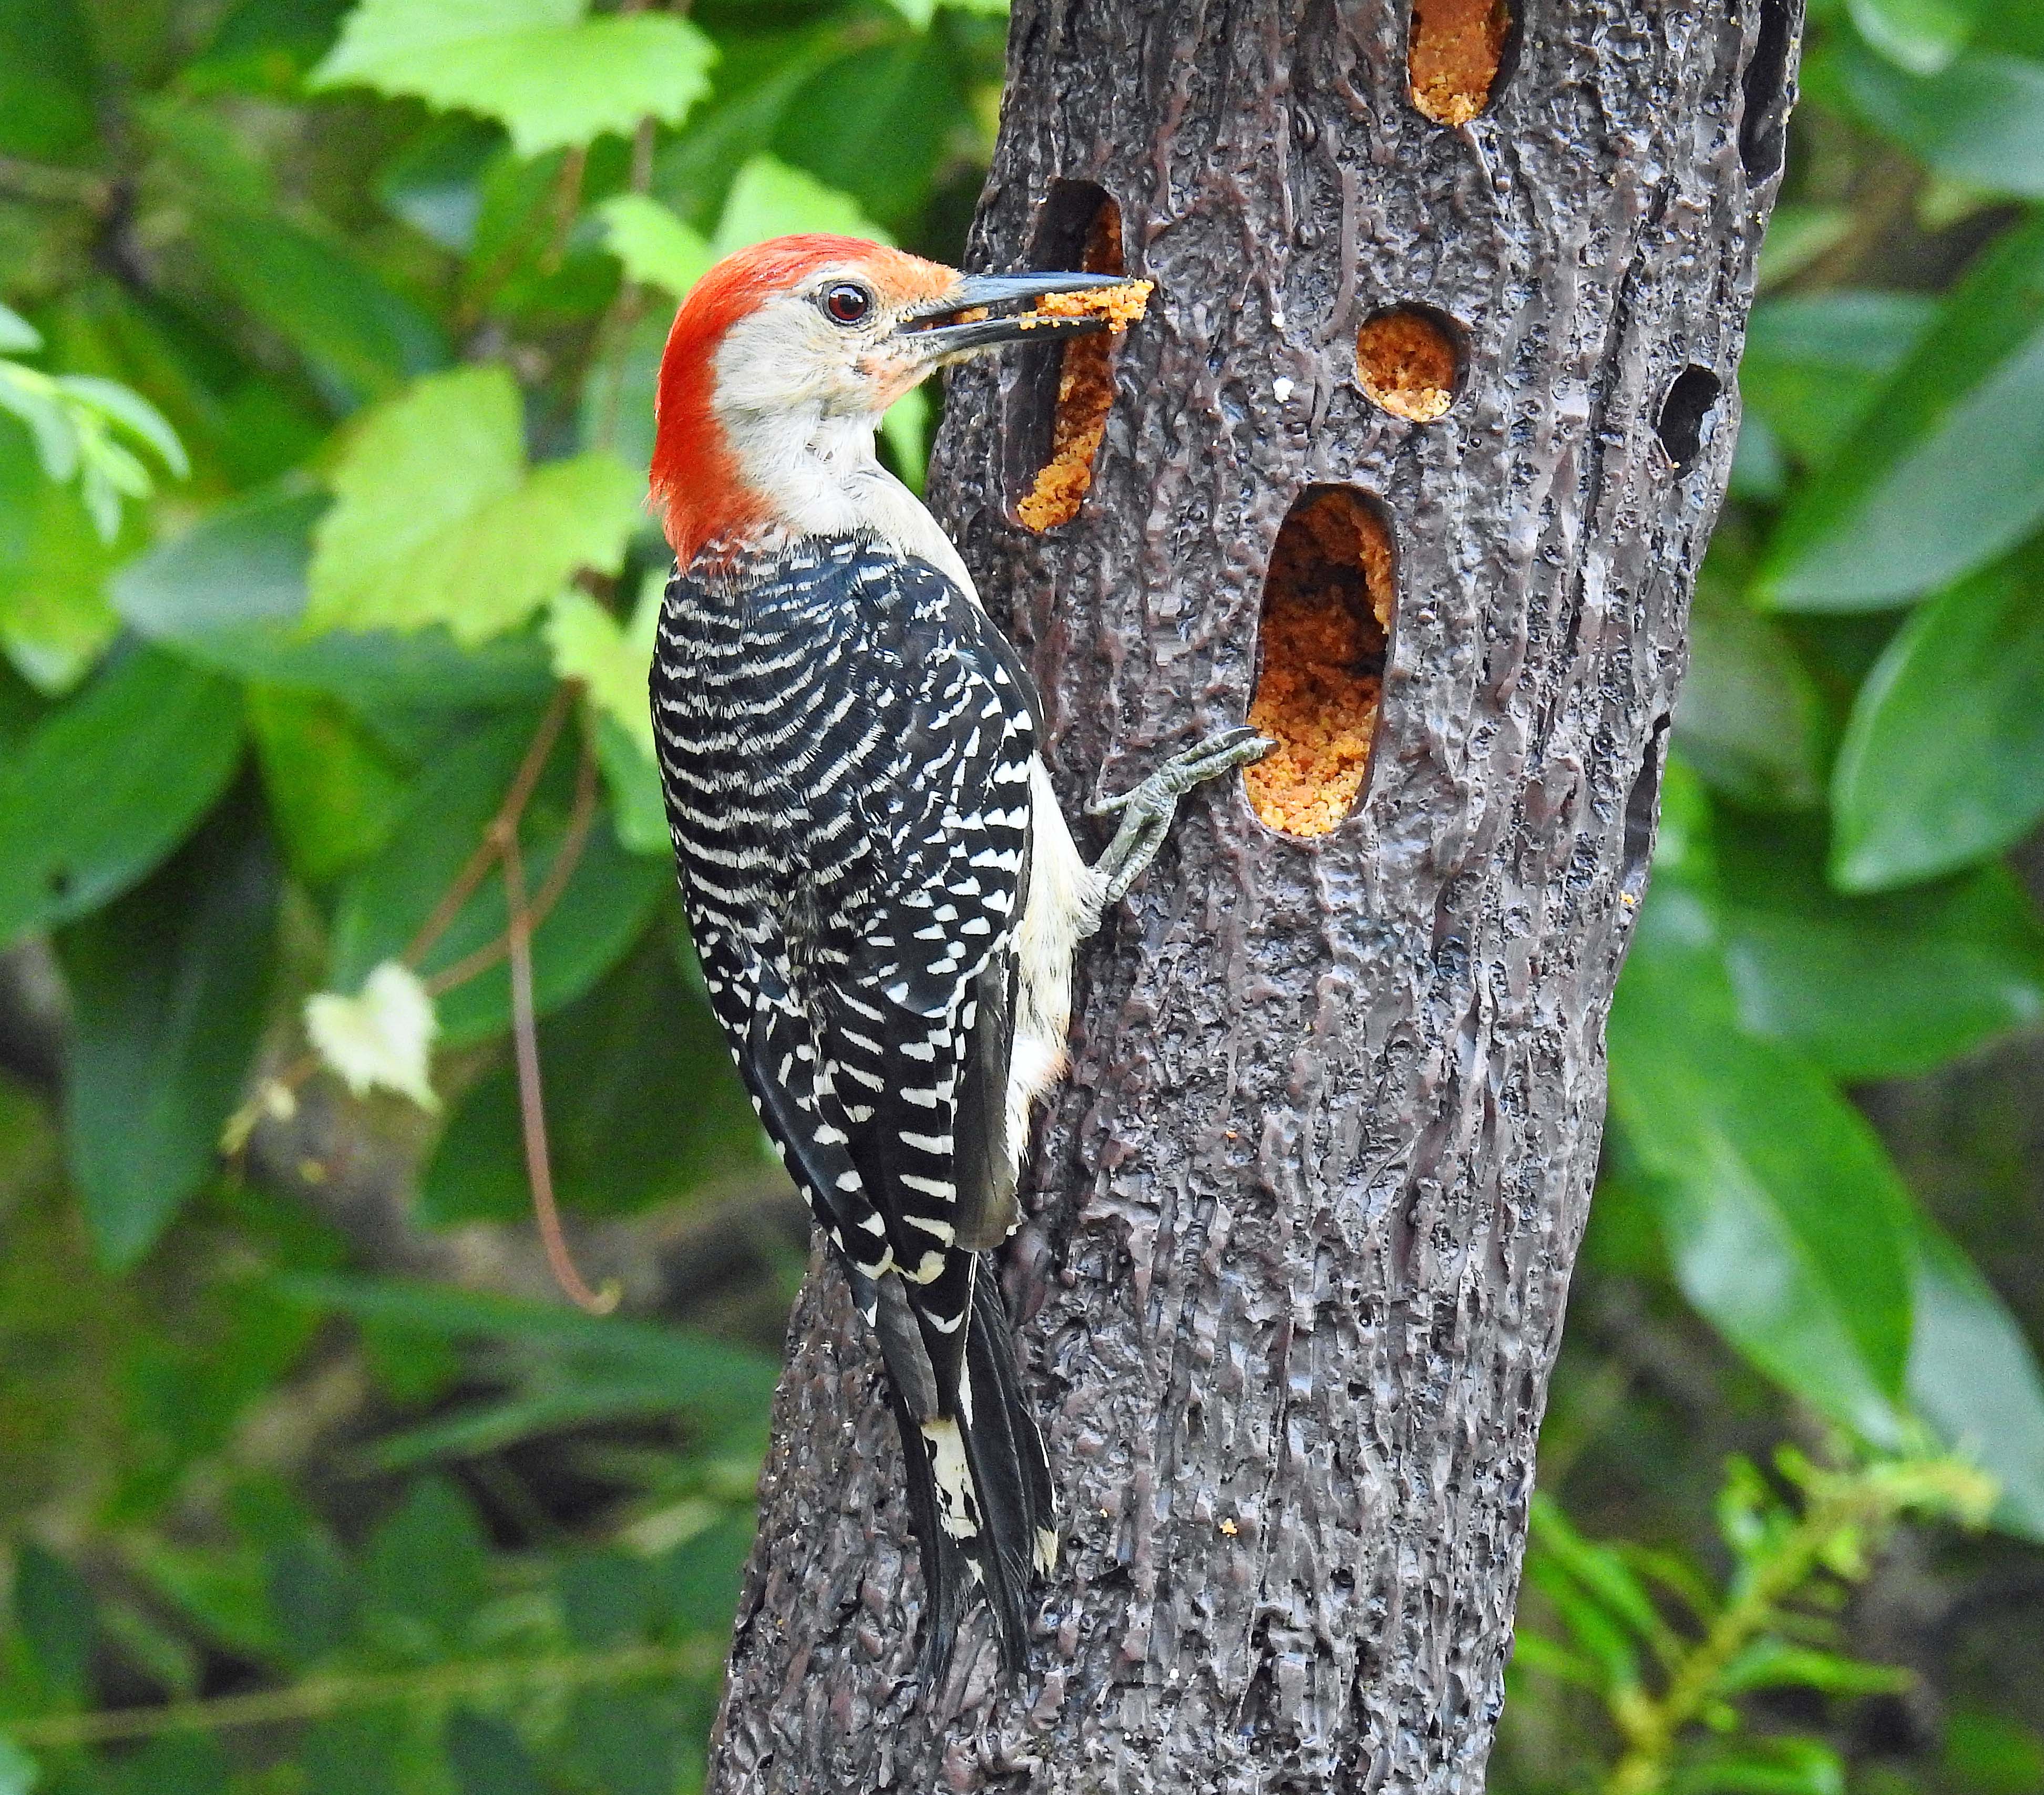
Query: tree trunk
point(1304, 1218)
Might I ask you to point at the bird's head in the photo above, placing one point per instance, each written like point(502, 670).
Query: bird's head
point(783, 358)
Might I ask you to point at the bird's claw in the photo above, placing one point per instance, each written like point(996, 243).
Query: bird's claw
point(1208, 760)
point(1146, 809)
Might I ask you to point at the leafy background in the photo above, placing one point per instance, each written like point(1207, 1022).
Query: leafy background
point(325, 392)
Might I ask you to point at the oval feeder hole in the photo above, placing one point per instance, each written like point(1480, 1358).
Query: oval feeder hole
point(1328, 603)
point(1409, 360)
point(1684, 414)
point(1064, 402)
point(1455, 54)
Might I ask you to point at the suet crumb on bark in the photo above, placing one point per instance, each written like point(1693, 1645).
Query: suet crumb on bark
point(1326, 624)
point(1085, 380)
point(1407, 363)
point(1456, 46)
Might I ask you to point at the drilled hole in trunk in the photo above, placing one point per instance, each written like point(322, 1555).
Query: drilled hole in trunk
point(1763, 124)
point(1064, 408)
point(1409, 361)
point(1328, 602)
point(1684, 413)
point(1642, 810)
point(1454, 57)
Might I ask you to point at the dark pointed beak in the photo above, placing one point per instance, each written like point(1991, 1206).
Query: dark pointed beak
point(928, 332)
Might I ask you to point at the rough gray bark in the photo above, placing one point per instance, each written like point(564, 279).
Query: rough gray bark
point(1304, 1217)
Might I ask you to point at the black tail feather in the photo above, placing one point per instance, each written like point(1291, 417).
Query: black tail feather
point(1007, 1538)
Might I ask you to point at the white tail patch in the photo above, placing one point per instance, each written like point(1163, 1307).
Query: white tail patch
point(958, 1501)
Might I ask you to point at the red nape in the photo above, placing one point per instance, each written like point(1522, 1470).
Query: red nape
point(697, 485)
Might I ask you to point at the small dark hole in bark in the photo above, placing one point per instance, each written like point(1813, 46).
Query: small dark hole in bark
point(1456, 55)
point(1684, 414)
point(1329, 602)
point(1410, 361)
point(1062, 401)
point(1643, 809)
point(1763, 124)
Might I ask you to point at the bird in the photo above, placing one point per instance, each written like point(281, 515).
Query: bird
point(884, 894)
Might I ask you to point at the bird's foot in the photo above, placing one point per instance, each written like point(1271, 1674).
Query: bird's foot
point(1147, 811)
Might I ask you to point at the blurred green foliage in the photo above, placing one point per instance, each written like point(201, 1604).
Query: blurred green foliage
point(326, 363)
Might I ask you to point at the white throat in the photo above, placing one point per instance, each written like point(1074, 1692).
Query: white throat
point(819, 477)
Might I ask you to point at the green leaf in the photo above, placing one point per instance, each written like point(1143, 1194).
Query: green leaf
point(638, 805)
point(1921, 36)
point(1979, 121)
point(1772, 1663)
point(1974, 1377)
point(59, 1619)
point(430, 1563)
point(627, 1742)
point(312, 1599)
point(17, 335)
point(487, 1758)
point(1942, 761)
point(55, 620)
point(223, 1591)
point(613, 661)
point(770, 199)
point(46, 79)
point(334, 791)
point(435, 184)
point(655, 246)
point(876, 123)
point(649, 1108)
point(555, 79)
point(1548, 1658)
point(357, 1755)
point(586, 1369)
point(1750, 719)
point(108, 784)
point(1785, 1221)
point(123, 406)
point(358, 338)
point(703, 1576)
point(1600, 1637)
point(178, 1764)
point(436, 519)
point(1763, 1766)
point(1885, 987)
point(1815, 363)
point(608, 1598)
point(1946, 471)
point(1598, 1569)
point(168, 987)
point(230, 594)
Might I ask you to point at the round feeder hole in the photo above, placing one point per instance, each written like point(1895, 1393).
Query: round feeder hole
point(1409, 360)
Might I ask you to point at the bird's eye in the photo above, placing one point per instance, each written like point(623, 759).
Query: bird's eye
point(846, 302)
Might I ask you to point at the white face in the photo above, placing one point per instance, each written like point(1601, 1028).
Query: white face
point(827, 350)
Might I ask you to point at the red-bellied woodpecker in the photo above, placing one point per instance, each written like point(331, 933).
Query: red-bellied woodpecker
point(882, 890)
